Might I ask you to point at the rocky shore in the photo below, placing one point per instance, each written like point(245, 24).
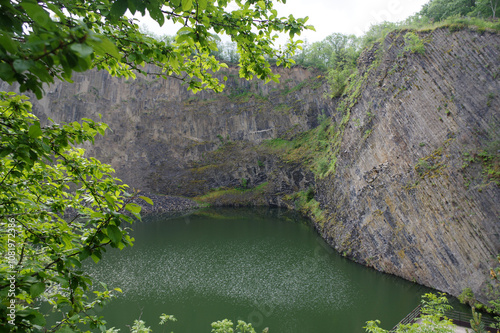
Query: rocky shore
point(165, 203)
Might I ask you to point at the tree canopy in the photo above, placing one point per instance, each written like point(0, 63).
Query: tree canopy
point(438, 10)
point(44, 40)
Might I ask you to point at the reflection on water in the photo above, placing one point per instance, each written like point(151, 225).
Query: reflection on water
point(264, 266)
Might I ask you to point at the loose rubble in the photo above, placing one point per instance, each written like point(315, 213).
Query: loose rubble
point(164, 203)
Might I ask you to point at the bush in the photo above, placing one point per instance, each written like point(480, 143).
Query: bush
point(413, 43)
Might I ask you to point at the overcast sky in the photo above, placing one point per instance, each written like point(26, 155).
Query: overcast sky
point(329, 16)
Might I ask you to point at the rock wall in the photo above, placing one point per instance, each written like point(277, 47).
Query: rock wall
point(157, 128)
point(410, 195)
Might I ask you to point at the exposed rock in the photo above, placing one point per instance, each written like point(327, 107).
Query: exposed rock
point(164, 203)
point(405, 200)
point(158, 128)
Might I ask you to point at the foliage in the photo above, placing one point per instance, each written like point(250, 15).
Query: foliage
point(494, 294)
point(475, 323)
point(226, 326)
point(57, 208)
point(226, 52)
point(413, 43)
point(419, 22)
point(43, 40)
point(244, 183)
point(467, 297)
point(336, 50)
point(338, 78)
point(432, 318)
point(490, 158)
point(438, 10)
point(337, 54)
point(139, 326)
point(378, 32)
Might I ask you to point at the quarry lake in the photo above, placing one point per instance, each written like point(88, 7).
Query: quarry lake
point(265, 266)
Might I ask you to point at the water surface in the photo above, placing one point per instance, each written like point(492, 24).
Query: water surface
point(265, 266)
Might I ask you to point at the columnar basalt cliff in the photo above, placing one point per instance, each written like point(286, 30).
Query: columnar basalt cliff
point(398, 180)
point(158, 128)
point(410, 195)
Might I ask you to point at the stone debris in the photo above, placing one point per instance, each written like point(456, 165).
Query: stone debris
point(164, 203)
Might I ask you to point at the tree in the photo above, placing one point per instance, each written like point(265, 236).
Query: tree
point(439, 10)
point(475, 323)
point(486, 9)
point(432, 318)
point(226, 326)
point(336, 50)
point(57, 207)
point(43, 40)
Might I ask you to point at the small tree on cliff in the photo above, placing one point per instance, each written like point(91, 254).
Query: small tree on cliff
point(58, 208)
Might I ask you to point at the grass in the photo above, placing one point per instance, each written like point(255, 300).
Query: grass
point(307, 205)
point(453, 24)
point(490, 158)
point(234, 196)
point(308, 148)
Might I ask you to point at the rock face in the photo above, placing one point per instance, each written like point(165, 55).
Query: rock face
point(158, 128)
point(408, 193)
point(410, 196)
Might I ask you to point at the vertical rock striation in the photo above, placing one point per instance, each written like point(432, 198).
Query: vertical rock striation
point(410, 196)
point(158, 128)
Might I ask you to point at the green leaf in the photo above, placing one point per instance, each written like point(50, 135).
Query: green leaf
point(187, 5)
point(36, 318)
point(84, 254)
point(148, 200)
point(22, 65)
point(133, 208)
point(35, 131)
point(36, 289)
point(104, 46)
point(37, 13)
point(114, 233)
point(109, 199)
point(74, 262)
point(57, 11)
point(119, 8)
point(202, 4)
point(95, 258)
point(156, 14)
point(6, 72)
point(82, 50)
point(8, 43)
point(65, 329)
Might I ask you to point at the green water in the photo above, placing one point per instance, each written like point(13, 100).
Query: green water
point(263, 266)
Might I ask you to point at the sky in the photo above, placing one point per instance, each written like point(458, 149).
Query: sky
point(331, 16)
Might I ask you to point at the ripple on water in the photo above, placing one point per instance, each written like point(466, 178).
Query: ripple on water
point(278, 275)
